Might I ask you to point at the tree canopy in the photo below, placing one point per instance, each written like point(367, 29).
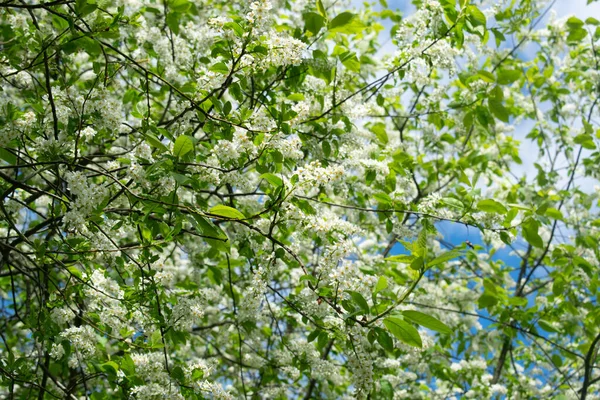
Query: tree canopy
point(263, 199)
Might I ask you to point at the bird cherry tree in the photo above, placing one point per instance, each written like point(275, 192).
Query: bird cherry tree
point(229, 199)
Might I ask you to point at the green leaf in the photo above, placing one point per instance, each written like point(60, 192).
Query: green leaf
point(452, 202)
point(313, 22)
point(110, 367)
point(586, 141)
point(296, 97)
point(576, 35)
point(508, 76)
point(530, 233)
point(403, 331)
point(351, 62)
point(380, 131)
point(183, 145)
point(557, 361)
point(234, 26)
point(417, 263)
point(181, 179)
point(383, 198)
point(558, 287)
point(491, 206)
point(498, 35)
point(517, 301)
point(387, 390)
point(321, 9)
point(512, 213)
point(313, 335)
point(346, 22)
point(309, 278)
point(227, 212)
point(519, 206)
point(173, 19)
point(75, 271)
point(498, 110)
point(155, 142)
point(402, 258)
point(555, 213)
point(215, 235)
point(487, 301)
point(382, 284)
point(91, 46)
point(84, 7)
point(272, 179)
point(420, 245)
point(547, 326)
point(385, 340)
point(505, 237)
point(220, 67)
point(476, 17)
point(486, 76)
point(8, 156)
point(427, 321)
point(359, 300)
point(462, 177)
point(449, 255)
point(156, 340)
point(180, 5)
point(592, 21)
point(341, 20)
point(127, 365)
point(574, 23)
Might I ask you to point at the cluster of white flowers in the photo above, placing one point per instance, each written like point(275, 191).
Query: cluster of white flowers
point(327, 223)
point(144, 152)
point(21, 79)
point(186, 313)
point(493, 238)
point(57, 351)
point(253, 296)
point(360, 362)
point(22, 125)
point(86, 197)
point(62, 315)
point(105, 297)
point(259, 14)
point(443, 55)
point(262, 121)
point(155, 390)
point(477, 364)
point(88, 133)
point(109, 109)
point(315, 174)
point(283, 50)
point(231, 150)
point(218, 23)
point(290, 148)
point(83, 339)
point(11, 206)
point(150, 367)
point(18, 21)
point(488, 219)
point(429, 204)
point(420, 38)
point(215, 390)
point(348, 276)
point(209, 80)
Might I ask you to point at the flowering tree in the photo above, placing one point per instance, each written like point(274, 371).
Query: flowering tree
point(223, 199)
